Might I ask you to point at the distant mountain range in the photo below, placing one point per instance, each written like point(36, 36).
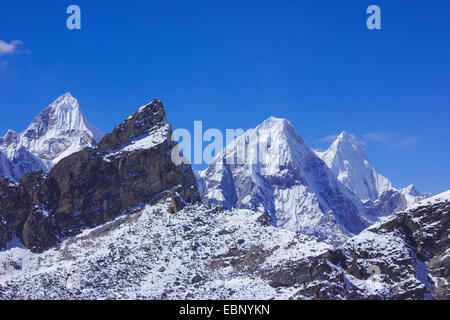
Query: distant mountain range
point(331, 195)
point(293, 223)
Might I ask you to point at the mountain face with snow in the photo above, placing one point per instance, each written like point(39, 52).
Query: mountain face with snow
point(348, 161)
point(121, 220)
point(58, 131)
point(204, 253)
point(271, 169)
point(128, 168)
point(403, 256)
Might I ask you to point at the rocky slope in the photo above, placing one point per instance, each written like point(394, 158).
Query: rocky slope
point(271, 169)
point(120, 220)
point(58, 131)
point(126, 169)
point(205, 253)
point(404, 256)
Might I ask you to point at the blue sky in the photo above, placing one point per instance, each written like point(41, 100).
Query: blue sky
point(233, 64)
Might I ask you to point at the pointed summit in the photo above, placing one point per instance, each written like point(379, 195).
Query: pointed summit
point(273, 122)
point(412, 190)
point(347, 140)
point(344, 134)
point(62, 116)
point(276, 124)
point(413, 195)
point(57, 131)
point(348, 161)
point(345, 137)
point(274, 171)
point(65, 97)
point(148, 122)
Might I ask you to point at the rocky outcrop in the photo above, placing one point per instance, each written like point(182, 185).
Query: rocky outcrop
point(388, 202)
point(404, 257)
point(393, 201)
point(128, 168)
point(208, 253)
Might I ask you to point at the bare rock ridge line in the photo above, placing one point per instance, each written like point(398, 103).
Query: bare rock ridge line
point(129, 167)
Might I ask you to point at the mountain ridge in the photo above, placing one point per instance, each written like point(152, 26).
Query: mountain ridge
point(235, 254)
point(56, 132)
point(347, 159)
point(283, 177)
point(96, 185)
point(120, 220)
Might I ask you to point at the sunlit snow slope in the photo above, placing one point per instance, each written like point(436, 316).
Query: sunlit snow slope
point(58, 131)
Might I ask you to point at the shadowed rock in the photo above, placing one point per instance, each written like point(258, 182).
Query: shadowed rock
point(129, 167)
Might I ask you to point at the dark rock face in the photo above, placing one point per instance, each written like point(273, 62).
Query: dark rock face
point(428, 234)
point(392, 201)
point(388, 202)
point(410, 250)
point(98, 184)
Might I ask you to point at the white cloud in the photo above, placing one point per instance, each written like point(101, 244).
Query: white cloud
point(14, 47)
point(329, 138)
point(395, 141)
point(375, 136)
point(379, 137)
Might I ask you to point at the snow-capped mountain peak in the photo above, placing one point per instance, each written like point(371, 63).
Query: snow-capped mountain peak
point(412, 190)
point(62, 116)
point(348, 160)
point(282, 176)
point(58, 131)
point(413, 195)
point(274, 123)
point(281, 141)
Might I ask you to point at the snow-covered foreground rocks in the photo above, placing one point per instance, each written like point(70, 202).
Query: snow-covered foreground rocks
point(408, 252)
point(204, 253)
point(196, 253)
